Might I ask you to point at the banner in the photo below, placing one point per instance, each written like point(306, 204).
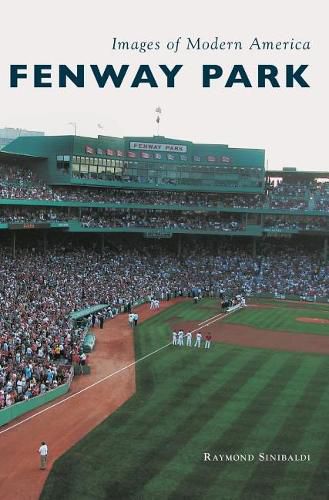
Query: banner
point(89, 150)
point(151, 146)
point(145, 155)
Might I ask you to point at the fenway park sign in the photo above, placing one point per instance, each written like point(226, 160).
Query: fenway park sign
point(152, 146)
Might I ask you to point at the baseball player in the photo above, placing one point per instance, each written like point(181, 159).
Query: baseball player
point(198, 339)
point(174, 338)
point(181, 338)
point(208, 341)
point(189, 339)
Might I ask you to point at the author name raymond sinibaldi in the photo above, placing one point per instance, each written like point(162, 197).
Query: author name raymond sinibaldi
point(259, 457)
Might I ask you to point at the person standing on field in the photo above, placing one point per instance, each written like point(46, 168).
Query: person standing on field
point(198, 338)
point(189, 339)
point(208, 341)
point(101, 322)
point(43, 452)
point(181, 337)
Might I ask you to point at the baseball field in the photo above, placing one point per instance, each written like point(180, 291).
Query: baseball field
point(214, 424)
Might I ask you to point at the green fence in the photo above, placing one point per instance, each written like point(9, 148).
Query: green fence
point(19, 409)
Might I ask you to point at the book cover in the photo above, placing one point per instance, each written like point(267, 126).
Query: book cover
point(164, 208)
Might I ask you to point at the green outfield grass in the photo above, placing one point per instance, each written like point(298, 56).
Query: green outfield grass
point(283, 317)
point(189, 401)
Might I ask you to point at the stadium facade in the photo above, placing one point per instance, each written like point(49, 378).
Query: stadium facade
point(234, 194)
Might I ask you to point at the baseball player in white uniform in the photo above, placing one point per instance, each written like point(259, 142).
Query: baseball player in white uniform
point(198, 339)
point(189, 339)
point(181, 337)
point(174, 338)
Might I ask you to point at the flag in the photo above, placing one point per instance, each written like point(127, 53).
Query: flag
point(119, 152)
point(109, 152)
point(158, 119)
point(170, 157)
point(145, 155)
point(211, 158)
point(100, 151)
point(183, 157)
point(196, 158)
point(131, 154)
point(225, 159)
point(157, 156)
point(99, 125)
point(89, 150)
point(158, 110)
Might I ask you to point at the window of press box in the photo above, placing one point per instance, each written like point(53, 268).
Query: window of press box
point(63, 162)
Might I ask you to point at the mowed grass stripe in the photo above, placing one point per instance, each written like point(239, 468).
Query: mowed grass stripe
point(163, 441)
point(260, 391)
point(289, 435)
point(176, 361)
point(188, 461)
point(320, 480)
point(301, 476)
point(259, 439)
point(124, 481)
point(173, 385)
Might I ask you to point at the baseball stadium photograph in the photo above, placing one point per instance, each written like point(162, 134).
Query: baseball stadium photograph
point(164, 322)
point(164, 251)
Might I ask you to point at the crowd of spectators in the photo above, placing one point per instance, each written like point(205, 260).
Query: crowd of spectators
point(38, 292)
point(22, 183)
point(108, 218)
point(165, 220)
point(15, 174)
point(161, 219)
point(289, 195)
point(321, 197)
point(277, 223)
point(122, 196)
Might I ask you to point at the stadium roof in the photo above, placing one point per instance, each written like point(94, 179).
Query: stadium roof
point(7, 155)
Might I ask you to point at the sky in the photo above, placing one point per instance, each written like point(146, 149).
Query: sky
point(289, 123)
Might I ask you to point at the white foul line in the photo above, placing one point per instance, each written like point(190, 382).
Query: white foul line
point(205, 321)
point(105, 378)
